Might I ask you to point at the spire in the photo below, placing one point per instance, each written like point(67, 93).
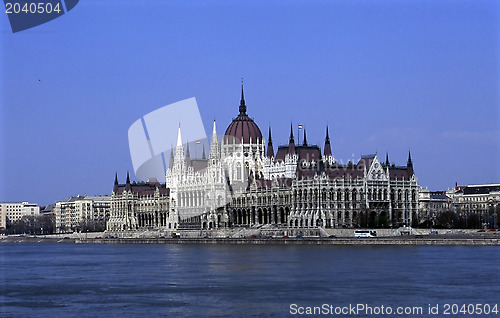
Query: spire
point(214, 134)
point(128, 187)
point(291, 143)
point(409, 165)
point(179, 138)
point(115, 187)
point(243, 107)
point(328, 148)
point(270, 150)
point(179, 149)
point(214, 146)
point(305, 138)
point(203, 156)
point(387, 163)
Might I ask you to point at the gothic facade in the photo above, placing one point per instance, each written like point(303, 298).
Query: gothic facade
point(139, 206)
point(244, 183)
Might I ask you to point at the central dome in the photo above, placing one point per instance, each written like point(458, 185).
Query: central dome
point(243, 128)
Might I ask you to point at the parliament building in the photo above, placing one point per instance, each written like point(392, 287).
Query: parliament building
point(246, 182)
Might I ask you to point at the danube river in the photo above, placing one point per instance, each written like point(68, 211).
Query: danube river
point(105, 280)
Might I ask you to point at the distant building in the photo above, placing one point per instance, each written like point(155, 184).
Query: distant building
point(13, 211)
point(82, 213)
point(431, 205)
point(3, 218)
point(48, 210)
point(481, 201)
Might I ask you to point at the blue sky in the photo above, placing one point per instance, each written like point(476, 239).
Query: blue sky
point(386, 76)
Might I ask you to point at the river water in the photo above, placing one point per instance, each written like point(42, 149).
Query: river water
point(87, 280)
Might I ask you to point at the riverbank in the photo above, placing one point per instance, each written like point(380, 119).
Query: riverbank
point(464, 240)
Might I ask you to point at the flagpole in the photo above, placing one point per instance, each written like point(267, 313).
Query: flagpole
point(196, 143)
point(299, 127)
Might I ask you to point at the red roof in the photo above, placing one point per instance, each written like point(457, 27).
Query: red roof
point(243, 128)
point(142, 189)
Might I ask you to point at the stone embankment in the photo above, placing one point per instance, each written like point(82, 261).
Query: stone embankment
point(270, 235)
point(492, 239)
point(307, 241)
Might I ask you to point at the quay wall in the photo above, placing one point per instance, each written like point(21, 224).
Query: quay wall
point(307, 241)
point(466, 240)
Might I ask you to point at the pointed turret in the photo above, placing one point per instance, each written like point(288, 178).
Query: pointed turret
point(328, 149)
point(291, 142)
point(214, 147)
point(243, 107)
point(179, 137)
point(270, 150)
point(127, 184)
point(305, 138)
point(115, 187)
point(387, 163)
point(179, 149)
point(409, 165)
point(203, 156)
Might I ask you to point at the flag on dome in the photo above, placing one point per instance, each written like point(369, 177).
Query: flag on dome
point(301, 126)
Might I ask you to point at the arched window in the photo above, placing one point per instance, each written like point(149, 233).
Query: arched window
point(238, 171)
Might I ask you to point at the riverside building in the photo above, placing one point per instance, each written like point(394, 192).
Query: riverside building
point(13, 211)
point(82, 213)
point(481, 201)
point(244, 183)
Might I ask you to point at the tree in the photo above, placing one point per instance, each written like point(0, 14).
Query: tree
point(30, 224)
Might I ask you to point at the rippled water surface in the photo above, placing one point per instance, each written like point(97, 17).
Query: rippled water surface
point(85, 280)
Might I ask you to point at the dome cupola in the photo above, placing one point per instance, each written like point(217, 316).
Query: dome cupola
point(243, 128)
